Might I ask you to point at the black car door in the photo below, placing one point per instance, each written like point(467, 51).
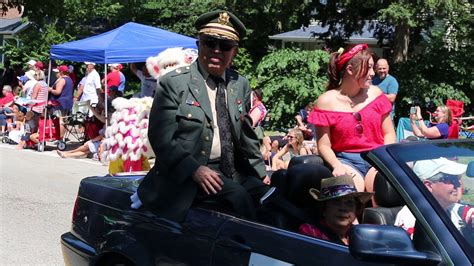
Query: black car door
point(242, 242)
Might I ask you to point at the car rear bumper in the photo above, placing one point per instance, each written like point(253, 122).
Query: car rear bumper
point(76, 251)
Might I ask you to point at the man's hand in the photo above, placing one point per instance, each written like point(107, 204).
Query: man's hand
point(266, 180)
point(208, 179)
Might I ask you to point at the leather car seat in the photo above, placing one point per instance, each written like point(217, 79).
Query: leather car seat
point(299, 179)
point(388, 200)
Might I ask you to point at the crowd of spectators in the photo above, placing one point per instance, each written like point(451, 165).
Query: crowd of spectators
point(26, 93)
point(351, 117)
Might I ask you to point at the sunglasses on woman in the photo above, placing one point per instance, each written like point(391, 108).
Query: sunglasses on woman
point(359, 127)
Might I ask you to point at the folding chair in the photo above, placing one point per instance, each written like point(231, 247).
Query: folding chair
point(457, 110)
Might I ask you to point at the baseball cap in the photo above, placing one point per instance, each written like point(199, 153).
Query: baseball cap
point(31, 62)
point(114, 65)
point(426, 169)
point(39, 65)
point(23, 78)
point(89, 63)
point(61, 68)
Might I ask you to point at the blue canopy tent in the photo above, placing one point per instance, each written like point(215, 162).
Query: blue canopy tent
point(129, 43)
point(132, 42)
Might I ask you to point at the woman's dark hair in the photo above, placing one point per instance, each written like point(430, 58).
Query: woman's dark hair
point(258, 93)
point(360, 62)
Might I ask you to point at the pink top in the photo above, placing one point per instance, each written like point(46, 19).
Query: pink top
point(344, 136)
point(311, 230)
point(8, 98)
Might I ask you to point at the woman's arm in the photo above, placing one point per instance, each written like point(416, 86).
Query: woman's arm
point(36, 90)
point(278, 156)
point(58, 87)
point(423, 130)
point(324, 148)
point(389, 135)
point(414, 126)
point(255, 115)
point(303, 151)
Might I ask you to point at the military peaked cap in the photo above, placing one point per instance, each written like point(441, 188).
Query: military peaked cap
point(221, 24)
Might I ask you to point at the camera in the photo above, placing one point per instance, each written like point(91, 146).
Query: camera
point(412, 110)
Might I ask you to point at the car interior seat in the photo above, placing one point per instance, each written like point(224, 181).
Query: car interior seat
point(300, 178)
point(388, 200)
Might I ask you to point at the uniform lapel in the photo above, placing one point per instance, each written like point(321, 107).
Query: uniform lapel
point(199, 91)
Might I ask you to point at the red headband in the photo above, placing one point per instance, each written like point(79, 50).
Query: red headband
point(345, 57)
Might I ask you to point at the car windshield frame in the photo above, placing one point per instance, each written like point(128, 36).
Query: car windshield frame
point(424, 150)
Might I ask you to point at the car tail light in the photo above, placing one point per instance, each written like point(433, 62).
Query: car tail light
point(75, 210)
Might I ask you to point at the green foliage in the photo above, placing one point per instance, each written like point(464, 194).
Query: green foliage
point(444, 70)
point(35, 45)
point(243, 63)
point(290, 79)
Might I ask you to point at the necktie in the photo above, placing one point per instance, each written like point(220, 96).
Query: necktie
point(226, 164)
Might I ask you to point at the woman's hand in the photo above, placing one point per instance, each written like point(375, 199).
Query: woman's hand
point(418, 112)
point(339, 170)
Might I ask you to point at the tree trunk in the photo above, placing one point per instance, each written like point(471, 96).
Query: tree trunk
point(402, 40)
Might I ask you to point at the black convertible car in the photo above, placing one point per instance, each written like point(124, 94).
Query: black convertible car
point(106, 231)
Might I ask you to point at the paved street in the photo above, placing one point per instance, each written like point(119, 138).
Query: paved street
point(37, 193)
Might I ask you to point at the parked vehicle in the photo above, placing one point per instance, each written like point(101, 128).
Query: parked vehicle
point(106, 231)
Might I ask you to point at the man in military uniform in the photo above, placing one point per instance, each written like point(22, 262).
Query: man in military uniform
point(201, 133)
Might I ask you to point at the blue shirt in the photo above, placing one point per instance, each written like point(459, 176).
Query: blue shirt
point(121, 86)
point(443, 130)
point(388, 85)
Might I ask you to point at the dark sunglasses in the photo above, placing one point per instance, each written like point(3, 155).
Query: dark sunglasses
point(447, 179)
point(290, 137)
point(222, 45)
point(359, 127)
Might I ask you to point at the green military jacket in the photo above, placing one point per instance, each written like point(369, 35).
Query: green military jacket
point(181, 128)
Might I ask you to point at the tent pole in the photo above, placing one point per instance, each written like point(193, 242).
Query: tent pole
point(49, 71)
point(105, 96)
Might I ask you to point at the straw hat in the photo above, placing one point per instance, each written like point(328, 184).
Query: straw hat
point(338, 187)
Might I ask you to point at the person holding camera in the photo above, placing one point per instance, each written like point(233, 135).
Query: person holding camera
point(435, 130)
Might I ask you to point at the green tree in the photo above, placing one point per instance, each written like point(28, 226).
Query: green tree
point(409, 19)
point(290, 79)
point(445, 68)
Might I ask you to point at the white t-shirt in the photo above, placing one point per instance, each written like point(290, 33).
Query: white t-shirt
point(28, 86)
point(148, 85)
point(92, 83)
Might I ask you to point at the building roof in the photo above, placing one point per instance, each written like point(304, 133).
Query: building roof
point(10, 21)
point(307, 34)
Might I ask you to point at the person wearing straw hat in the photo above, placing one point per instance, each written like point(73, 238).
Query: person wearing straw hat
point(339, 204)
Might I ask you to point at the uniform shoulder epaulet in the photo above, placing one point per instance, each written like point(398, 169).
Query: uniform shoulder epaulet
point(180, 71)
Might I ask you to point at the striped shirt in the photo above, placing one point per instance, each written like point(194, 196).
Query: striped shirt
point(42, 96)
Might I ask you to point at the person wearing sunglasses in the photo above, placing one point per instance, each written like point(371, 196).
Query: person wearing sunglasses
point(352, 116)
point(442, 177)
point(294, 147)
point(201, 133)
point(439, 129)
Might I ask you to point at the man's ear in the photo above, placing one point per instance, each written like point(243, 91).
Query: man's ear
point(428, 185)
